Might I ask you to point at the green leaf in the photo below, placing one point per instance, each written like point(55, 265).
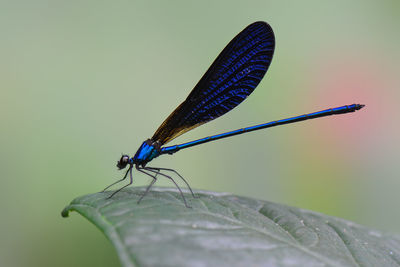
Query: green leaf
point(226, 230)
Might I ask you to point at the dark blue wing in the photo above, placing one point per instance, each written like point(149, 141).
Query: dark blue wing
point(232, 77)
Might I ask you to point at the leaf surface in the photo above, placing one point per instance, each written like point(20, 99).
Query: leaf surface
point(226, 230)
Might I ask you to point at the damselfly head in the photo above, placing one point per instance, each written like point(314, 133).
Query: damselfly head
point(124, 160)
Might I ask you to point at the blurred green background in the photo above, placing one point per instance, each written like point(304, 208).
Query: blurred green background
point(83, 81)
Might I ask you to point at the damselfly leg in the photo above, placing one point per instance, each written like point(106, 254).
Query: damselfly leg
point(120, 180)
point(177, 173)
point(157, 171)
point(130, 182)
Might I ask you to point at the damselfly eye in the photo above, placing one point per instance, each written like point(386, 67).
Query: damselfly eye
point(124, 160)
